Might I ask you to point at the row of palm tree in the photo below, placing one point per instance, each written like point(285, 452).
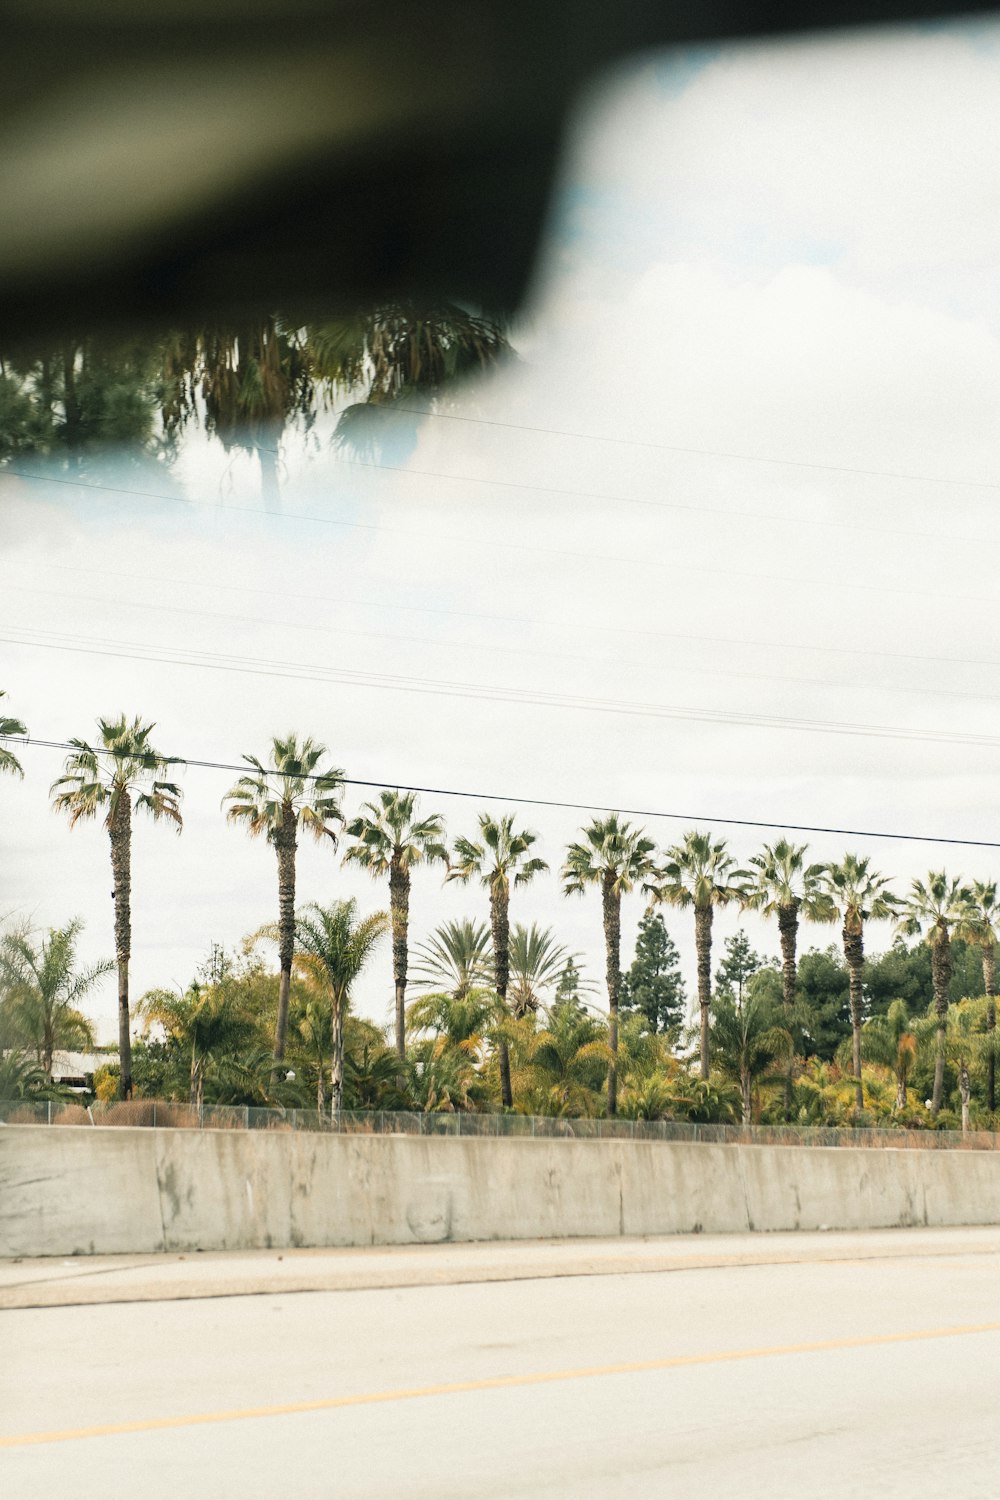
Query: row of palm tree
point(298, 790)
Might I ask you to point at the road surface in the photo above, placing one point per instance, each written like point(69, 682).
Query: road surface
point(856, 1364)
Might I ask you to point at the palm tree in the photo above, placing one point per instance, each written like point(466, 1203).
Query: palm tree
point(859, 895)
point(749, 1040)
point(966, 1047)
point(390, 841)
point(275, 801)
point(700, 874)
point(8, 760)
point(455, 958)
point(209, 1023)
point(537, 962)
point(782, 885)
point(343, 943)
point(500, 860)
point(981, 924)
point(934, 910)
point(892, 1041)
point(43, 986)
point(121, 772)
point(615, 856)
point(570, 1058)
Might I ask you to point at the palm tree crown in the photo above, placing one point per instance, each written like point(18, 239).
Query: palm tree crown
point(9, 726)
point(700, 873)
point(122, 768)
point(455, 958)
point(537, 961)
point(858, 894)
point(390, 840)
point(43, 986)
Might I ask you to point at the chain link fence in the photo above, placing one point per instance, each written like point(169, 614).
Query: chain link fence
point(158, 1114)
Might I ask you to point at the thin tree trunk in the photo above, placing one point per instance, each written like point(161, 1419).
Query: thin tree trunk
point(941, 980)
point(965, 1089)
point(746, 1089)
point(612, 904)
point(900, 1091)
point(399, 909)
point(285, 844)
point(703, 948)
point(337, 1058)
point(500, 923)
point(788, 932)
point(854, 953)
point(120, 831)
point(990, 986)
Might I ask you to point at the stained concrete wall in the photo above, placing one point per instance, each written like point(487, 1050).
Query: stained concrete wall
point(77, 1191)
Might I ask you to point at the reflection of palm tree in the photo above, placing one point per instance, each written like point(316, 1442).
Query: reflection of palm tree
point(121, 771)
point(390, 840)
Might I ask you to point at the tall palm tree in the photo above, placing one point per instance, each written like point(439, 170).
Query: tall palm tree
point(42, 986)
point(780, 884)
point(8, 760)
point(343, 943)
point(859, 895)
point(455, 958)
point(537, 962)
point(981, 925)
point(502, 858)
point(934, 910)
point(119, 774)
point(390, 840)
point(699, 873)
point(615, 856)
point(276, 801)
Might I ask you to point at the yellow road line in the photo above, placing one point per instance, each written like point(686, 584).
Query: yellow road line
point(492, 1383)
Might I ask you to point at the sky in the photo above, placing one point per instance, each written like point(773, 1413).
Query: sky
point(718, 543)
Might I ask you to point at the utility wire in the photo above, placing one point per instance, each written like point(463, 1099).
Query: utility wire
point(309, 672)
point(681, 565)
point(548, 802)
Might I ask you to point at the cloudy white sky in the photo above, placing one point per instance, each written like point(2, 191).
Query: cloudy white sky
point(737, 493)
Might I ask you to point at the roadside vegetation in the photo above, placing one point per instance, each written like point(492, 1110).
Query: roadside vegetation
point(491, 1014)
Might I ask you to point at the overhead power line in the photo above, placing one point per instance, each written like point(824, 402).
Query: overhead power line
point(549, 802)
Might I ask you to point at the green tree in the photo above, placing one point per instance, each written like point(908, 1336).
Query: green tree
point(614, 856)
point(342, 942)
point(822, 1014)
point(455, 958)
point(700, 874)
point(653, 984)
point(389, 841)
point(501, 859)
point(209, 1025)
point(537, 963)
point(981, 926)
point(42, 987)
point(570, 985)
point(120, 774)
point(569, 1059)
point(933, 910)
point(859, 895)
point(275, 801)
point(9, 726)
point(890, 1041)
point(749, 1041)
point(738, 966)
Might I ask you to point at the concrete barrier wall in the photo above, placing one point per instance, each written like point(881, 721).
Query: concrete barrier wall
point(76, 1191)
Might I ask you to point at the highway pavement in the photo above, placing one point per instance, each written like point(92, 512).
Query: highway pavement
point(811, 1364)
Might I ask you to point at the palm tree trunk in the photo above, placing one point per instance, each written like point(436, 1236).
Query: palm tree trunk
point(788, 932)
point(612, 904)
point(965, 1089)
point(120, 832)
point(337, 1057)
point(990, 986)
point(941, 980)
point(285, 843)
point(500, 923)
point(854, 954)
point(399, 909)
point(703, 948)
point(746, 1089)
